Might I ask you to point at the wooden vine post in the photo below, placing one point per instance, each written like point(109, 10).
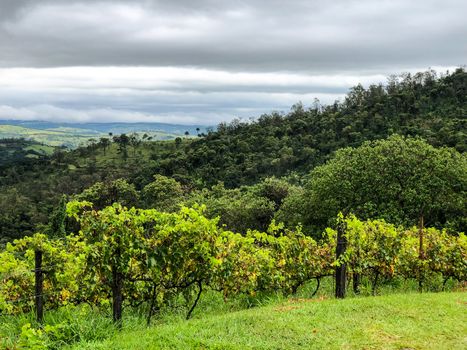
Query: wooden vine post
point(356, 282)
point(39, 279)
point(340, 250)
point(421, 255)
point(117, 289)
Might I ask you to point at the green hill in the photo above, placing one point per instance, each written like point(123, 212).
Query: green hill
point(425, 105)
point(242, 153)
point(16, 151)
point(402, 321)
point(70, 137)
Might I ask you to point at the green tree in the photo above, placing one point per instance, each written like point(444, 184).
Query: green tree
point(402, 180)
point(103, 194)
point(122, 141)
point(274, 189)
point(104, 142)
point(135, 142)
point(163, 193)
point(17, 215)
point(238, 209)
point(57, 220)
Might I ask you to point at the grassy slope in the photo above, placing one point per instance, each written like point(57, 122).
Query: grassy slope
point(53, 137)
point(67, 136)
point(404, 321)
point(43, 149)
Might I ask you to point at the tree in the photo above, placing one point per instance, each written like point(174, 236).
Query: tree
point(402, 180)
point(274, 189)
point(56, 226)
point(135, 142)
point(104, 142)
point(92, 145)
point(237, 209)
point(123, 141)
point(17, 215)
point(103, 194)
point(163, 193)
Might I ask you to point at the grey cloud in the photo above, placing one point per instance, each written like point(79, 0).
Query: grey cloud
point(253, 35)
point(211, 60)
point(159, 89)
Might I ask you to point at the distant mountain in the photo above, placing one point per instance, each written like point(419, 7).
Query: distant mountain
point(115, 128)
point(72, 135)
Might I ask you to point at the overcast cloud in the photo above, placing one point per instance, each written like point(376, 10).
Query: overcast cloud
point(208, 61)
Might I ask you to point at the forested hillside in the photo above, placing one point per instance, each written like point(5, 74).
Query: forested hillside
point(412, 105)
point(242, 153)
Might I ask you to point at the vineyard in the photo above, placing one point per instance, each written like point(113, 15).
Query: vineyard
point(142, 257)
point(233, 175)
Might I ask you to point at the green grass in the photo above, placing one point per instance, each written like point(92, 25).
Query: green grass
point(400, 318)
point(398, 321)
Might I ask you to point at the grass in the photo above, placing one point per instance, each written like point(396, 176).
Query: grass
point(397, 321)
point(400, 318)
point(43, 149)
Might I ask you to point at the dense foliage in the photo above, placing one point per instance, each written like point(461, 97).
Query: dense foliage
point(237, 154)
point(399, 179)
point(410, 105)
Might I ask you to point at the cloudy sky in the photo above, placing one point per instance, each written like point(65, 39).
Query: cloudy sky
point(206, 61)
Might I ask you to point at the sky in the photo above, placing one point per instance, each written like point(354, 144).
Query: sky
point(208, 61)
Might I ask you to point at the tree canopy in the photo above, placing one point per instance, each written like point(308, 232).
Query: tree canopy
point(399, 179)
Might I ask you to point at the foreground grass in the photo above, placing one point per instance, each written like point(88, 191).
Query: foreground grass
point(404, 321)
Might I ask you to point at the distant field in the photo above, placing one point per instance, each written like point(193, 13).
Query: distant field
point(65, 136)
point(53, 137)
point(400, 321)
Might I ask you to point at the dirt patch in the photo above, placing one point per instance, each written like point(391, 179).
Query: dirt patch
point(462, 287)
point(306, 300)
point(286, 308)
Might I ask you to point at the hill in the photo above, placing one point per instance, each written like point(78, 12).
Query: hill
point(74, 135)
point(243, 153)
point(113, 127)
point(67, 137)
point(402, 321)
point(19, 151)
point(424, 105)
